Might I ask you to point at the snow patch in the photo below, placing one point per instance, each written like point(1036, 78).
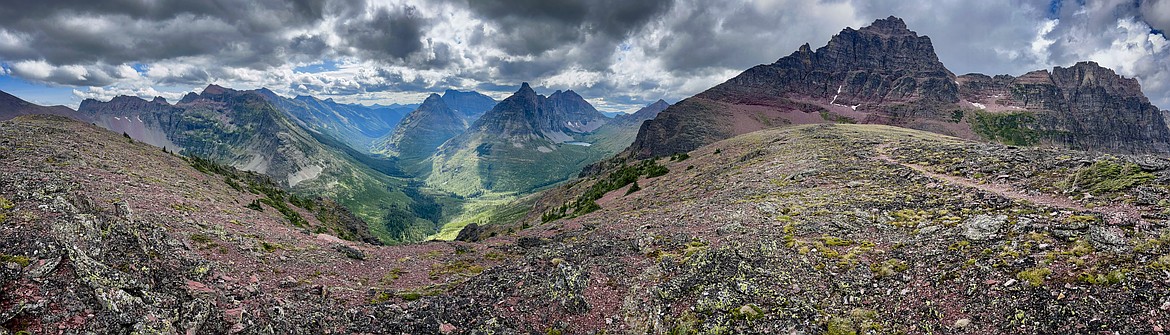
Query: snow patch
point(978, 105)
point(834, 101)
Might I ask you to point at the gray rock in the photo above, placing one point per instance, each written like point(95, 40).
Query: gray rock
point(1110, 238)
point(983, 227)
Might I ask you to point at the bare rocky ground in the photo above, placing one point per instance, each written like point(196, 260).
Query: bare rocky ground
point(840, 229)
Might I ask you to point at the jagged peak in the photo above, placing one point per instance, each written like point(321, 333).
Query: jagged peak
point(127, 98)
point(888, 26)
point(524, 87)
point(160, 100)
point(433, 99)
point(215, 89)
point(189, 97)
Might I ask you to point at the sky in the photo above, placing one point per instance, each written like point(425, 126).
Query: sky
point(618, 54)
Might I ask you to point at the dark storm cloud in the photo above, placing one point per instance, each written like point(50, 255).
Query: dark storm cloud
point(532, 27)
point(389, 34)
point(115, 32)
point(740, 34)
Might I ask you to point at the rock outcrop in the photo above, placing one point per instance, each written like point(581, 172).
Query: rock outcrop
point(1085, 107)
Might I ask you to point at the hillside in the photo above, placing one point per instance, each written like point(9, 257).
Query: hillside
point(885, 73)
point(844, 229)
point(103, 234)
point(242, 129)
point(813, 229)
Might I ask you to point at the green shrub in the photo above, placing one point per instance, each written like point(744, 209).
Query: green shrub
point(1007, 128)
point(1034, 276)
point(1106, 176)
point(23, 261)
point(633, 188)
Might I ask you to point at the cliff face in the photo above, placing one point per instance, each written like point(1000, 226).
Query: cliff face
point(886, 74)
point(1085, 107)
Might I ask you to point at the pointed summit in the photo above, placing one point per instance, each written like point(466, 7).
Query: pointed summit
point(889, 26)
point(434, 99)
point(214, 89)
point(524, 87)
point(422, 132)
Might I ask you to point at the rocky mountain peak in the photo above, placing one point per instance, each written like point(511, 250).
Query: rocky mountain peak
point(122, 99)
point(189, 97)
point(214, 89)
point(160, 100)
point(434, 99)
point(889, 26)
point(884, 45)
point(1091, 74)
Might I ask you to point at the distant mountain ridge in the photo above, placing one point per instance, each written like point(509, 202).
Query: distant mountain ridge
point(356, 125)
point(887, 74)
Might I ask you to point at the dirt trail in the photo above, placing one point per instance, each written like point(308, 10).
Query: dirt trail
point(1114, 214)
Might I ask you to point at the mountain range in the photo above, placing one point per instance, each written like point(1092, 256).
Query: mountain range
point(861, 187)
point(887, 74)
point(527, 142)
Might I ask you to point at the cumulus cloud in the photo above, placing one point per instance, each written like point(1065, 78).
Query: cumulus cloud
point(620, 54)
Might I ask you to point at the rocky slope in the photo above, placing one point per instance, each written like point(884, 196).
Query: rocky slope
point(417, 137)
point(104, 234)
point(244, 130)
point(836, 229)
point(526, 142)
point(842, 229)
point(886, 74)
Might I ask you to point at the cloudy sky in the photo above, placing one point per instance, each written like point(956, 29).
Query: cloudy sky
point(619, 54)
